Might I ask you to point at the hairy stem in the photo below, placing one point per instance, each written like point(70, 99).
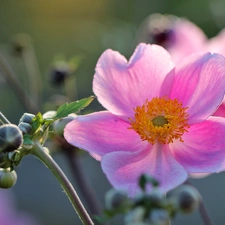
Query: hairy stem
point(41, 154)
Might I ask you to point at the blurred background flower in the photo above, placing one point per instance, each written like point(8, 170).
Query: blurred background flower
point(9, 212)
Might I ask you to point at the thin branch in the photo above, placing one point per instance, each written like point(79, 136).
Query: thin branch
point(203, 210)
point(3, 119)
point(21, 94)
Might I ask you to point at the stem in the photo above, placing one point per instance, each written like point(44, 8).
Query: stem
point(33, 73)
point(10, 77)
point(75, 164)
point(203, 210)
point(41, 154)
point(3, 119)
point(204, 214)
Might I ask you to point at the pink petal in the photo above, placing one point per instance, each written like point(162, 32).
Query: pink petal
point(188, 39)
point(203, 149)
point(102, 132)
point(120, 85)
point(199, 84)
point(221, 110)
point(123, 169)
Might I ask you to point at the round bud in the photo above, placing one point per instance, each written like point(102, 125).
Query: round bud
point(49, 114)
point(7, 178)
point(117, 200)
point(20, 42)
point(27, 118)
point(26, 128)
point(186, 198)
point(159, 217)
point(60, 72)
point(158, 29)
point(136, 215)
point(59, 125)
point(11, 138)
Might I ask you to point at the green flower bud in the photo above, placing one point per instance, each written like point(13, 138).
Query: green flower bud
point(27, 118)
point(59, 125)
point(11, 138)
point(49, 114)
point(26, 128)
point(7, 178)
point(117, 200)
point(186, 198)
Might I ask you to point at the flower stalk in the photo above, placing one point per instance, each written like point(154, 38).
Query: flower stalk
point(21, 94)
point(42, 155)
point(3, 119)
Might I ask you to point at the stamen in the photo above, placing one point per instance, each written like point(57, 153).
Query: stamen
point(160, 120)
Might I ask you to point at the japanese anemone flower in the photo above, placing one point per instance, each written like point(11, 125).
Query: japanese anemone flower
point(157, 119)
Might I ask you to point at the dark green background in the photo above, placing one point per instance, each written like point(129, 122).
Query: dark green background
point(88, 27)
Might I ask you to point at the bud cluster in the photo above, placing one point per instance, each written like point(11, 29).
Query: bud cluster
point(150, 207)
point(11, 139)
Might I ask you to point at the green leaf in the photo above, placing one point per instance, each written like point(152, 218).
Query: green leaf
point(73, 107)
point(27, 140)
point(145, 179)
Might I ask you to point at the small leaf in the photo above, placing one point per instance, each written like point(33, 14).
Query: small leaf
point(73, 107)
point(145, 179)
point(37, 121)
point(27, 140)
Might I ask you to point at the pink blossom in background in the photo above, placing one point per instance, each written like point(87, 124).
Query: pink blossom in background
point(9, 215)
point(157, 119)
point(179, 36)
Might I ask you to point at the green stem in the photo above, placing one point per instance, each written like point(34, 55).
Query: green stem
point(41, 154)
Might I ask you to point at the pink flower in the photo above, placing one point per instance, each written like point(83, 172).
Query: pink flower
point(158, 119)
point(179, 36)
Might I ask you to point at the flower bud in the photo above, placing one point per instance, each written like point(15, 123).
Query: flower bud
point(27, 118)
point(11, 138)
point(159, 217)
point(60, 72)
point(26, 128)
point(134, 216)
point(7, 178)
point(117, 200)
point(20, 42)
point(59, 125)
point(158, 29)
point(49, 114)
point(186, 198)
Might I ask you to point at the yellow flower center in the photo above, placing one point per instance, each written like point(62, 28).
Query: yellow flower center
point(160, 120)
